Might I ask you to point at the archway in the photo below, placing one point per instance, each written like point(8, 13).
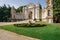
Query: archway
point(30, 15)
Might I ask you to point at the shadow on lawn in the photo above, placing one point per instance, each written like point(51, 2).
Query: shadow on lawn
point(30, 25)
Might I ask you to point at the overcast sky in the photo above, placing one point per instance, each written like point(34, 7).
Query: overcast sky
point(17, 3)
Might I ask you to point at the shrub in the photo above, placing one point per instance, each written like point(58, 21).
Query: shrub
point(29, 25)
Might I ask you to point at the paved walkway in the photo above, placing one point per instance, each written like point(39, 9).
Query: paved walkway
point(6, 35)
point(11, 23)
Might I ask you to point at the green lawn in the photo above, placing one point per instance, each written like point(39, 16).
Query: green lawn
point(48, 32)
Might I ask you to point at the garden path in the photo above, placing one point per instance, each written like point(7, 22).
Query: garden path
point(6, 35)
point(11, 23)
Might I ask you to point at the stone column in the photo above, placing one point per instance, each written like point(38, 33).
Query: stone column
point(26, 13)
point(33, 14)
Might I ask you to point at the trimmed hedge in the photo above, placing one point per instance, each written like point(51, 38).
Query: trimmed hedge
point(29, 25)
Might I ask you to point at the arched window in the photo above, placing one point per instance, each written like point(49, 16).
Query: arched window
point(48, 12)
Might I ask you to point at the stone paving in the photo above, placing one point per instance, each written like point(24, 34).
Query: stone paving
point(11, 23)
point(6, 35)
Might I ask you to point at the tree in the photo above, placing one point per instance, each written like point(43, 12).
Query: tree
point(19, 9)
point(4, 13)
point(56, 10)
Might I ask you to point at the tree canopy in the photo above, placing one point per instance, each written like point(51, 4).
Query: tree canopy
point(19, 9)
point(56, 10)
point(5, 13)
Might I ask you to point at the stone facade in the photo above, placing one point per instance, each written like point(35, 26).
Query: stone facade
point(16, 16)
point(47, 13)
point(34, 12)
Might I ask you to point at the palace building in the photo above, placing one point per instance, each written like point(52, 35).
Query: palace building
point(34, 12)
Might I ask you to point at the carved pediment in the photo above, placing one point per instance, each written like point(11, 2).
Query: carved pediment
point(30, 5)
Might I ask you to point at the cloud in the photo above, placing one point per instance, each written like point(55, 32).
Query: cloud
point(8, 2)
point(18, 3)
point(1, 2)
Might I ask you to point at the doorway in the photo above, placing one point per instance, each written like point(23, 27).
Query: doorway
point(30, 15)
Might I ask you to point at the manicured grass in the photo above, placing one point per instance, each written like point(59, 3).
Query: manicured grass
point(48, 32)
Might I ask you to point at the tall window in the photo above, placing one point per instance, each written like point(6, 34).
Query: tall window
point(48, 12)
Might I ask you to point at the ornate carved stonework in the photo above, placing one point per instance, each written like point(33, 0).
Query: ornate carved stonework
point(35, 11)
point(50, 7)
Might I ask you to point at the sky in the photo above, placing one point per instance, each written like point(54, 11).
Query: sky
point(17, 3)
